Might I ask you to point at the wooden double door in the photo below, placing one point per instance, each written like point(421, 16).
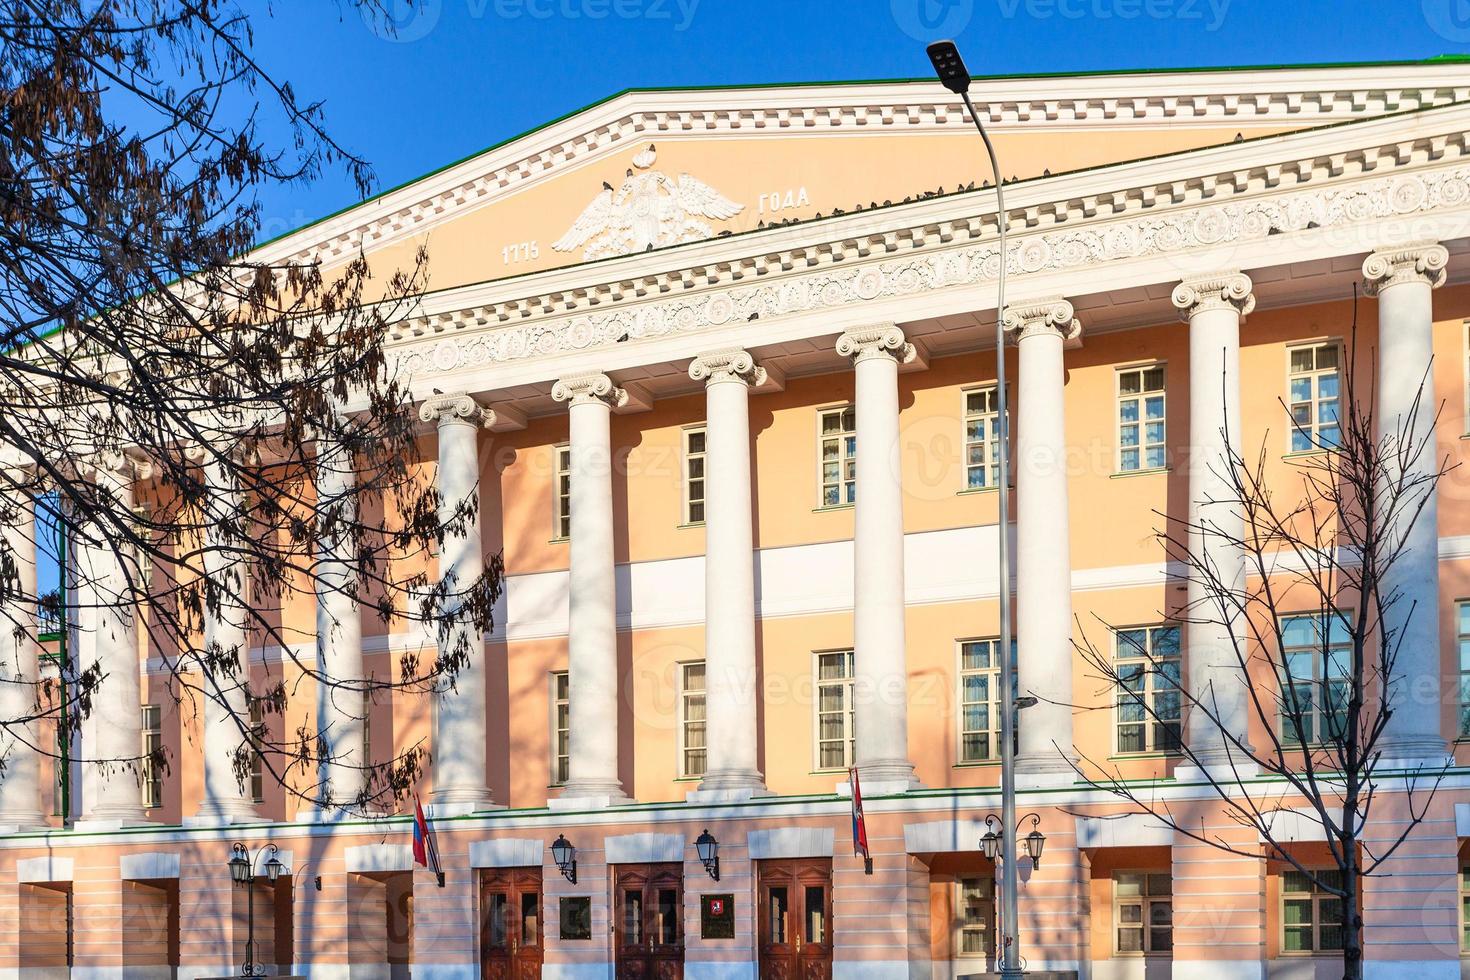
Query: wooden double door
point(512, 943)
point(648, 911)
point(795, 919)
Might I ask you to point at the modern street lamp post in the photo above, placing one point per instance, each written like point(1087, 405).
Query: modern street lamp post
point(953, 74)
point(242, 872)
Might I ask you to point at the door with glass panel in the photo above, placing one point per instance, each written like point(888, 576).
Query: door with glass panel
point(795, 919)
point(648, 910)
point(511, 946)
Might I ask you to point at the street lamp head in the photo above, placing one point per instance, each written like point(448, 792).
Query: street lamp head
point(990, 844)
point(1034, 843)
point(708, 850)
point(565, 856)
point(273, 869)
point(1026, 701)
point(949, 66)
point(239, 865)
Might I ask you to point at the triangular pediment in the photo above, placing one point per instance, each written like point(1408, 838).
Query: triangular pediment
point(651, 170)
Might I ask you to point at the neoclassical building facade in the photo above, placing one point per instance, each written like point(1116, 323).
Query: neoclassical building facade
point(719, 366)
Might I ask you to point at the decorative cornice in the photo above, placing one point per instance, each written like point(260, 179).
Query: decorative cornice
point(1411, 262)
point(455, 410)
point(881, 340)
point(1060, 236)
point(733, 364)
point(1221, 290)
point(584, 389)
point(1042, 317)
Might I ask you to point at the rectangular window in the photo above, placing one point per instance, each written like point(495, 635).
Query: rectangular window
point(1463, 637)
point(694, 440)
point(367, 728)
point(561, 726)
point(1143, 913)
point(834, 710)
point(1465, 909)
point(1311, 916)
point(1316, 661)
point(1141, 444)
point(980, 696)
point(1312, 394)
point(838, 456)
point(152, 755)
point(691, 720)
point(562, 502)
point(982, 438)
point(974, 912)
point(1148, 709)
point(257, 761)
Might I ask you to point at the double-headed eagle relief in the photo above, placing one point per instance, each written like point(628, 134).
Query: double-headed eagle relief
point(650, 210)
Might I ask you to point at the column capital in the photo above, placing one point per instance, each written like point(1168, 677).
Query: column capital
point(117, 466)
point(1217, 291)
point(1410, 262)
point(583, 389)
point(732, 364)
point(459, 409)
point(1053, 315)
point(880, 340)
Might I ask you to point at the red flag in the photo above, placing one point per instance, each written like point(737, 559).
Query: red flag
point(425, 853)
point(859, 825)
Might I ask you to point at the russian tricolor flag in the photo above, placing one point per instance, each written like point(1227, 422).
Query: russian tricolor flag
point(425, 852)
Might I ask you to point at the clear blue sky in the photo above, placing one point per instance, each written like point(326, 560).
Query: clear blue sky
point(465, 74)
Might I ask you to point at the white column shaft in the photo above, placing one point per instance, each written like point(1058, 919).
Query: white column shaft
point(593, 653)
point(459, 708)
point(1405, 414)
point(1043, 557)
point(1214, 636)
point(342, 771)
point(227, 704)
point(880, 686)
point(20, 779)
point(112, 738)
point(729, 577)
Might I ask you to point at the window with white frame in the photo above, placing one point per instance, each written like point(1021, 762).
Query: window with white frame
point(562, 501)
point(1313, 390)
point(1316, 663)
point(1311, 915)
point(561, 726)
point(692, 749)
point(1148, 709)
point(694, 441)
point(1143, 912)
point(257, 760)
point(974, 914)
point(367, 727)
point(838, 434)
point(1462, 637)
point(980, 697)
point(982, 438)
point(834, 709)
point(1465, 909)
point(1141, 441)
point(152, 755)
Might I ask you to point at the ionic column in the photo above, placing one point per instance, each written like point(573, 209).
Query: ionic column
point(592, 623)
point(1403, 279)
point(1043, 558)
point(460, 783)
point(343, 770)
point(729, 575)
point(112, 736)
point(226, 641)
point(1214, 637)
point(20, 779)
point(880, 681)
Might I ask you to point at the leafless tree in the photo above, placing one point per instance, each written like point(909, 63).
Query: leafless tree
point(140, 335)
point(1319, 690)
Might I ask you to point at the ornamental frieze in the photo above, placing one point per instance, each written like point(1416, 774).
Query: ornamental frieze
point(1177, 232)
